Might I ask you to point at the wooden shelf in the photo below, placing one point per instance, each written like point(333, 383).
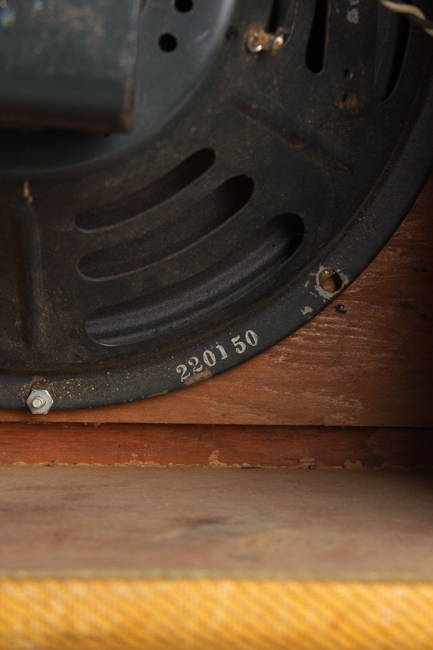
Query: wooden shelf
point(215, 521)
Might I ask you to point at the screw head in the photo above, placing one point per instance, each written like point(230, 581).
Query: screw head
point(254, 43)
point(39, 401)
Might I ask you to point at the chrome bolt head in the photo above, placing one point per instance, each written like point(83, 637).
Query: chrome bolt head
point(39, 401)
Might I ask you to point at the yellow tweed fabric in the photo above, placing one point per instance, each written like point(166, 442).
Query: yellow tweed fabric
point(214, 614)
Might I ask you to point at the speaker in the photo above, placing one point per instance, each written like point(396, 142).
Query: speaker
point(185, 183)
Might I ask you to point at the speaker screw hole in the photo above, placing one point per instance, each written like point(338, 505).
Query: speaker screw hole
point(330, 280)
point(348, 74)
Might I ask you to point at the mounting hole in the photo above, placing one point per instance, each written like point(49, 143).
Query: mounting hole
point(330, 280)
point(346, 99)
point(167, 42)
point(348, 74)
point(183, 5)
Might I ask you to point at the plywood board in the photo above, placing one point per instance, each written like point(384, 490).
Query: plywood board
point(213, 521)
point(215, 445)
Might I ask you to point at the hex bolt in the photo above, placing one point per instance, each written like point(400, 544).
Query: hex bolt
point(39, 401)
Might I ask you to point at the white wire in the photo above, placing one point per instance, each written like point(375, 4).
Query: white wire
point(407, 9)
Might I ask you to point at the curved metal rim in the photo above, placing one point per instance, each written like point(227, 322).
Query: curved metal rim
point(366, 233)
point(278, 319)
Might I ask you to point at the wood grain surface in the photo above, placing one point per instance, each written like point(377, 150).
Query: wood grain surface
point(368, 363)
point(195, 521)
point(216, 445)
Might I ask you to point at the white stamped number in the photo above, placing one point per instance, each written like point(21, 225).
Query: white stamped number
point(211, 358)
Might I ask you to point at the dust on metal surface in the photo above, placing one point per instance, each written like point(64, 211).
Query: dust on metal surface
point(132, 264)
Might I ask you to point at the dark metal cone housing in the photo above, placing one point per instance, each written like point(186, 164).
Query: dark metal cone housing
point(136, 264)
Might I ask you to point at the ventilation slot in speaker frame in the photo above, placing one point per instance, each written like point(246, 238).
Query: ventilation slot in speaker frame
point(391, 45)
point(316, 47)
point(157, 192)
point(203, 295)
point(201, 219)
